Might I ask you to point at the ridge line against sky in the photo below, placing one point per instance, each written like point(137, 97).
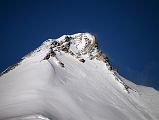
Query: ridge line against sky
point(127, 31)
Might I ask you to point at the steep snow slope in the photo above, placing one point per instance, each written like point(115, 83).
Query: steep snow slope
point(71, 79)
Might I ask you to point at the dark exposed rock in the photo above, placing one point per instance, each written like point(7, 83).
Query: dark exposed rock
point(71, 53)
point(65, 49)
point(47, 56)
point(55, 43)
point(82, 60)
point(67, 38)
point(62, 65)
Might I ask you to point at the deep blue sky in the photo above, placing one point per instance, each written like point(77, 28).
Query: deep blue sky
point(127, 30)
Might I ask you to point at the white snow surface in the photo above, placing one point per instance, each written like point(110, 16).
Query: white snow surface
point(43, 89)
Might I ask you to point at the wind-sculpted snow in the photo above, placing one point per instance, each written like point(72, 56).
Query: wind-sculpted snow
point(71, 79)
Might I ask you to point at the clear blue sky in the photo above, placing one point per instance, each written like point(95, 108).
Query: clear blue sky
point(127, 30)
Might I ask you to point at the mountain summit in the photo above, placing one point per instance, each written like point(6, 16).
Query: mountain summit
point(69, 78)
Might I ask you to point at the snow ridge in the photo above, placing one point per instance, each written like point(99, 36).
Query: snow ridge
point(82, 46)
point(70, 78)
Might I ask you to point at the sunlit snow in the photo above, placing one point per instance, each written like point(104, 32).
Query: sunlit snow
point(52, 83)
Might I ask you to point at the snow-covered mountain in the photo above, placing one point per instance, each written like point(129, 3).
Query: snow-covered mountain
point(69, 78)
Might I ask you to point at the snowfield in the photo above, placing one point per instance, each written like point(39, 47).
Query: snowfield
point(69, 78)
